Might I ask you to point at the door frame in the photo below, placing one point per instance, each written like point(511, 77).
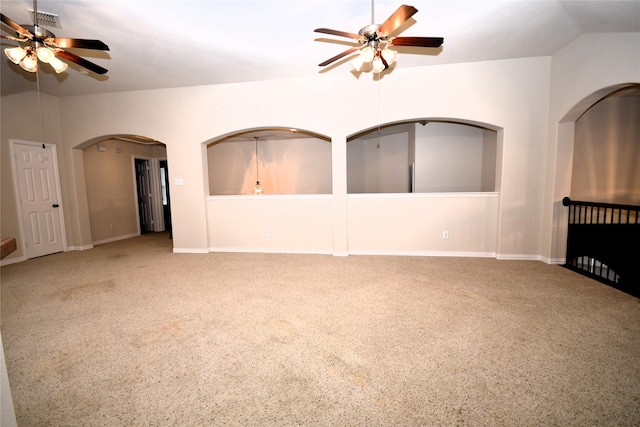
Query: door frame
point(16, 190)
point(154, 187)
point(168, 226)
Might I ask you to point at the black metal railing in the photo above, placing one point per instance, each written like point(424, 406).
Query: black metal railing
point(603, 243)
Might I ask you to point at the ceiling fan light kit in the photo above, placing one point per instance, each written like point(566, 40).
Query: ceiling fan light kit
point(28, 58)
point(375, 42)
point(40, 44)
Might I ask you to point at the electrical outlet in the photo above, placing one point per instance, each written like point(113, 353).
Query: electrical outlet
point(113, 226)
point(265, 233)
point(445, 234)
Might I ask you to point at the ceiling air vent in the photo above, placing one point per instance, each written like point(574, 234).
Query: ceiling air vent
point(47, 19)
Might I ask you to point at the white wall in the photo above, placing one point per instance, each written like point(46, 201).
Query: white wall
point(22, 119)
point(268, 223)
point(414, 224)
point(490, 165)
point(583, 72)
point(512, 96)
point(287, 166)
point(323, 104)
point(448, 158)
point(378, 164)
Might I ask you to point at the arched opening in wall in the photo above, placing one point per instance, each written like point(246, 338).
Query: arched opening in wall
point(602, 136)
point(127, 184)
point(606, 151)
point(423, 156)
point(282, 160)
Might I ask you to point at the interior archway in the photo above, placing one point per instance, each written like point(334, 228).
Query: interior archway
point(282, 160)
point(565, 155)
point(124, 200)
point(427, 155)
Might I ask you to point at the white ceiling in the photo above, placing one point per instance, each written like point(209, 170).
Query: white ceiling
point(163, 43)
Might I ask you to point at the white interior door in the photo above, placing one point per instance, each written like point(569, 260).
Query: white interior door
point(38, 189)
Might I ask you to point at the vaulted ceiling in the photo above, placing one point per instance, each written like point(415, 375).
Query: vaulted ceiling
point(160, 44)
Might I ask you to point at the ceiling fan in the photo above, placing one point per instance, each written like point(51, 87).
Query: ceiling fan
point(39, 43)
point(376, 40)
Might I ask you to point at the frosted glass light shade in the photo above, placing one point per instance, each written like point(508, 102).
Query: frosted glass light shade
point(45, 54)
point(58, 65)
point(30, 63)
point(15, 54)
point(357, 63)
point(389, 55)
point(367, 54)
point(378, 65)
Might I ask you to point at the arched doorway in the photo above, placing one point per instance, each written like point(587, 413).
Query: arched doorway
point(602, 187)
point(607, 150)
point(127, 191)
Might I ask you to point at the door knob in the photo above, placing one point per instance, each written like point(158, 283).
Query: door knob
point(55, 205)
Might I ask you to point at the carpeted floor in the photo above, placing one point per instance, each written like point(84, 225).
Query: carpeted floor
point(129, 333)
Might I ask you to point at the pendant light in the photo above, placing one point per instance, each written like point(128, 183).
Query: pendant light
point(257, 189)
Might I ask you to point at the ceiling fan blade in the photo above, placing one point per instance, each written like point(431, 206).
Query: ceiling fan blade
point(81, 61)
point(340, 55)
point(398, 18)
point(20, 30)
point(64, 43)
point(337, 33)
point(9, 37)
point(417, 41)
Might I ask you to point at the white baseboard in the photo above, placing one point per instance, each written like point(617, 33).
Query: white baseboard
point(342, 254)
point(554, 261)
point(519, 257)
point(270, 251)
point(190, 251)
point(115, 239)
point(24, 258)
point(428, 253)
point(78, 248)
point(13, 260)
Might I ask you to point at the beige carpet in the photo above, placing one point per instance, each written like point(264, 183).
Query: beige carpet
point(131, 334)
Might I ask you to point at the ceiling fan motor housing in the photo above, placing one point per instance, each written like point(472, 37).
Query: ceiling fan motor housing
point(39, 33)
point(370, 32)
point(371, 37)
